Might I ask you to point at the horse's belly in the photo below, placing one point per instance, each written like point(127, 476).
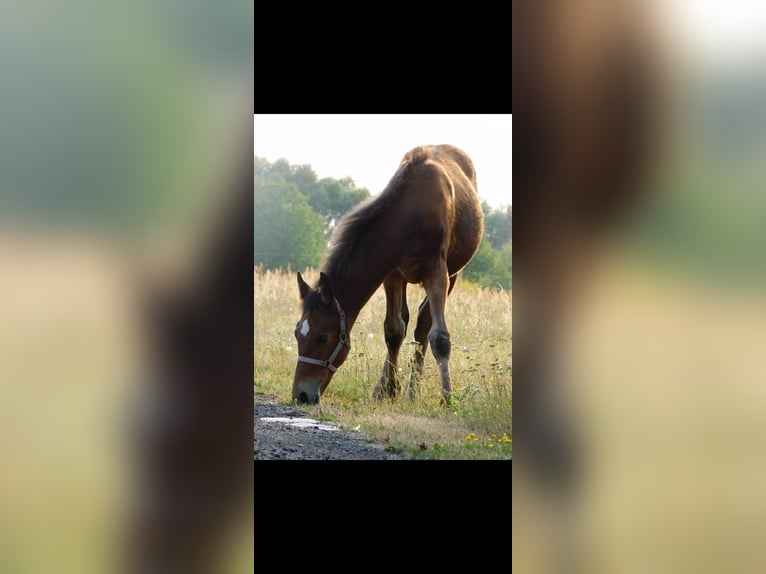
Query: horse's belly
point(413, 271)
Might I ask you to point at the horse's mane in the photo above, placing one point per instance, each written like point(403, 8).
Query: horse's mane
point(356, 223)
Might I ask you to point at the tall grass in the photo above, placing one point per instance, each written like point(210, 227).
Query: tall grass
point(477, 423)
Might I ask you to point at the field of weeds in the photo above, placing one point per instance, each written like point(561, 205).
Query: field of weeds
point(478, 422)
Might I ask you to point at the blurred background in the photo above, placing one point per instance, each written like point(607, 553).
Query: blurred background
point(124, 146)
point(660, 316)
point(125, 140)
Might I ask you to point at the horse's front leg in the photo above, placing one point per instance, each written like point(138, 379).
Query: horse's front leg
point(394, 329)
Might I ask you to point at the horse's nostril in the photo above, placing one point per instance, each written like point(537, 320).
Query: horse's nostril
point(303, 397)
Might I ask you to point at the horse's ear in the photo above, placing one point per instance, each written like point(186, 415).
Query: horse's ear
point(303, 286)
point(324, 289)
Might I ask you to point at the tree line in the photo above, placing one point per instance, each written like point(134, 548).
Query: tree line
point(295, 213)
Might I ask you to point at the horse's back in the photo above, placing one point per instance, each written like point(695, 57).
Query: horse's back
point(453, 171)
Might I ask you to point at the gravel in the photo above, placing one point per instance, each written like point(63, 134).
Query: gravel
point(275, 440)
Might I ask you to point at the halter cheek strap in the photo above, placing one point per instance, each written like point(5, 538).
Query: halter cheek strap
point(343, 340)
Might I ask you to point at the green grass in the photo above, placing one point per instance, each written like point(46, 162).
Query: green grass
point(480, 323)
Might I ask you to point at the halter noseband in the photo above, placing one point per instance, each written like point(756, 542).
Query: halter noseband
point(343, 341)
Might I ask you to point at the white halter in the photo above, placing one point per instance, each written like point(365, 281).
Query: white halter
point(344, 340)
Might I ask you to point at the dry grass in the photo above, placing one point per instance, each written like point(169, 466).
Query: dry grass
point(480, 323)
point(665, 383)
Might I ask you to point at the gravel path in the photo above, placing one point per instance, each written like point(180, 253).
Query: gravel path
point(279, 440)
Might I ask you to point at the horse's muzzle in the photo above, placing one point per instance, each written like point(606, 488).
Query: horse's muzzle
point(304, 399)
point(307, 392)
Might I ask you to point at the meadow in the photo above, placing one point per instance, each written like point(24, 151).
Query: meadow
point(477, 424)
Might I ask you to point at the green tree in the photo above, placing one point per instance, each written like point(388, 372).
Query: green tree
point(329, 197)
point(506, 253)
point(280, 170)
point(333, 197)
point(498, 224)
point(491, 267)
point(261, 168)
point(287, 230)
point(305, 178)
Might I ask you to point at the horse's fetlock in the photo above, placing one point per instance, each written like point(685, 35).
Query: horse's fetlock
point(441, 344)
point(394, 334)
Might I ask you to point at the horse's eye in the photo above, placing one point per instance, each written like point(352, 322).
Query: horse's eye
point(322, 338)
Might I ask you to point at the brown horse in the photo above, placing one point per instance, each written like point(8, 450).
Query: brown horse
point(423, 228)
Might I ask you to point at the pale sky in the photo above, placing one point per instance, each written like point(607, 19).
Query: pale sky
point(368, 148)
point(720, 32)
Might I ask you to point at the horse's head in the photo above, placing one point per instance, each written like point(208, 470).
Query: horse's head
point(323, 341)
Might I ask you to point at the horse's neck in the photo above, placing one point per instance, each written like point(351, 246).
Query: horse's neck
point(354, 289)
point(354, 295)
point(364, 272)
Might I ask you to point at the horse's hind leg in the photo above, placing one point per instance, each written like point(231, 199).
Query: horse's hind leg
point(394, 329)
point(422, 328)
point(437, 287)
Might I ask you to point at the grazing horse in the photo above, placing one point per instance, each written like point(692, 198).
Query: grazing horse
point(423, 228)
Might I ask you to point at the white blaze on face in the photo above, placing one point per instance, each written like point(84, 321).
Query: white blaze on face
point(305, 328)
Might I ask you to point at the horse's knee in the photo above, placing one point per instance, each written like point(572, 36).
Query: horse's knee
point(440, 344)
point(393, 333)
